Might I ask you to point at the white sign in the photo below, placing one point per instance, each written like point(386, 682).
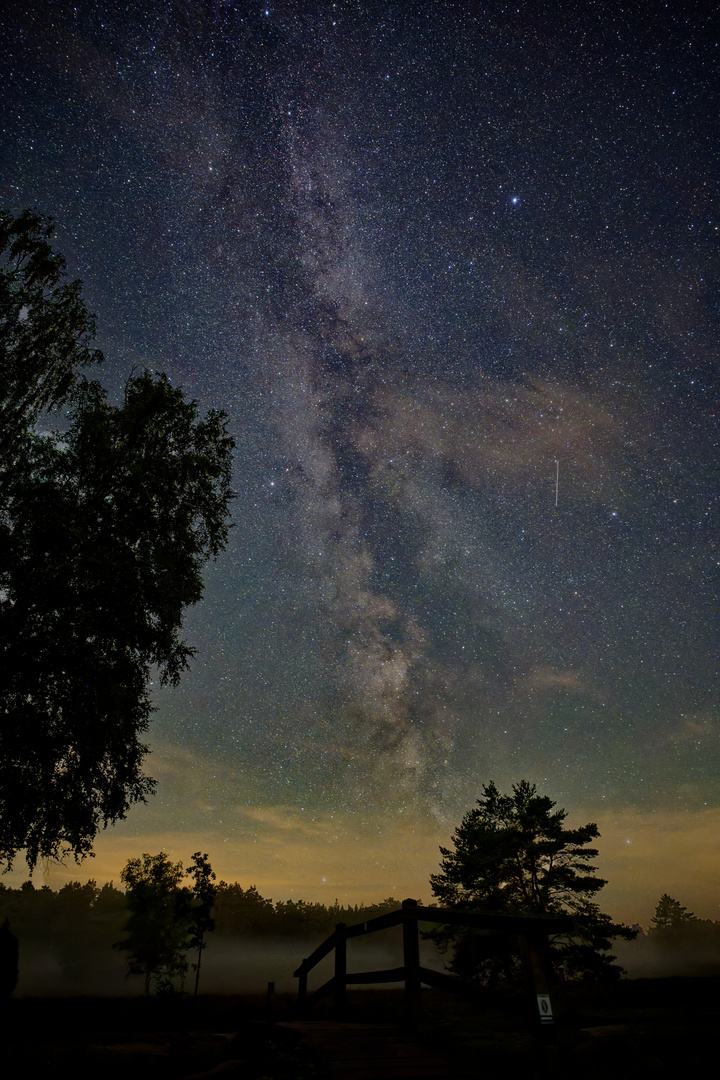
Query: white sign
point(545, 1009)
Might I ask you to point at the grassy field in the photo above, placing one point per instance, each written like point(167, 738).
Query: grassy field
point(658, 1028)
point(655, 1027)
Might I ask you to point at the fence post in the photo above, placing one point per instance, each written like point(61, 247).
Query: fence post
point(411, 955)
point(302, 990)
point(533, 948)
point(340, 968)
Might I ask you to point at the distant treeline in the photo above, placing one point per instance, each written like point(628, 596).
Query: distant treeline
point(79, 925)
point(67, 937)
point(97, 912)
point(96, 915)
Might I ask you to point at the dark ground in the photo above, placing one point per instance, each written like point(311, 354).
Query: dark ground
point(651, 1027)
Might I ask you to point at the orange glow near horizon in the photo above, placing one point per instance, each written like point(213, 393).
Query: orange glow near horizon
point(290, 856)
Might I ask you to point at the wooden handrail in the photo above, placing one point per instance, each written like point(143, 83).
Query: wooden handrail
point(532, 932)
point(510, 924)
point(370, 926)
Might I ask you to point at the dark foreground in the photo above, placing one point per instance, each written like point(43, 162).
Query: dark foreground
point(657, 1027)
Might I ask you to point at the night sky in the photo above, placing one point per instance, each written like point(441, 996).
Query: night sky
point(451, 269)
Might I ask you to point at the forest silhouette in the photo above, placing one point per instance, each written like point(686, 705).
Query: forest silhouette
point(67, 937)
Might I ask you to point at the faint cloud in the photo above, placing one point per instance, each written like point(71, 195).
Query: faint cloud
point(696, 729)
point(547, 679)
point(283, 820)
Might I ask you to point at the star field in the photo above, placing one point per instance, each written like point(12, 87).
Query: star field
point(452, 273)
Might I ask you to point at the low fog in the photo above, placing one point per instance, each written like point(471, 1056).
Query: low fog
point(234, 964)
point(648, 958)
point(231, 964)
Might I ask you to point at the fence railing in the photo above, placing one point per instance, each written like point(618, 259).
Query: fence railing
point(531, 933)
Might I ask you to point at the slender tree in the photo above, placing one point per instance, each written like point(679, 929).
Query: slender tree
point(204, 892)
point(105, 528)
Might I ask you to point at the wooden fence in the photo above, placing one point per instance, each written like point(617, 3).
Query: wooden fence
point(531, 933)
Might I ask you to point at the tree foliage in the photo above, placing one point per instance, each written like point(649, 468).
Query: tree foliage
point(670, 916)
point(684, 941)
point(73, 911)
point(104, 530)
point(159, 925)
point(68, 933)
point(71, 932)
point(513, 855)
point(45, 329)
point(168, 919)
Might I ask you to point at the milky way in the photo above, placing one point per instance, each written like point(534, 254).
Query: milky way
point(431, 264)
